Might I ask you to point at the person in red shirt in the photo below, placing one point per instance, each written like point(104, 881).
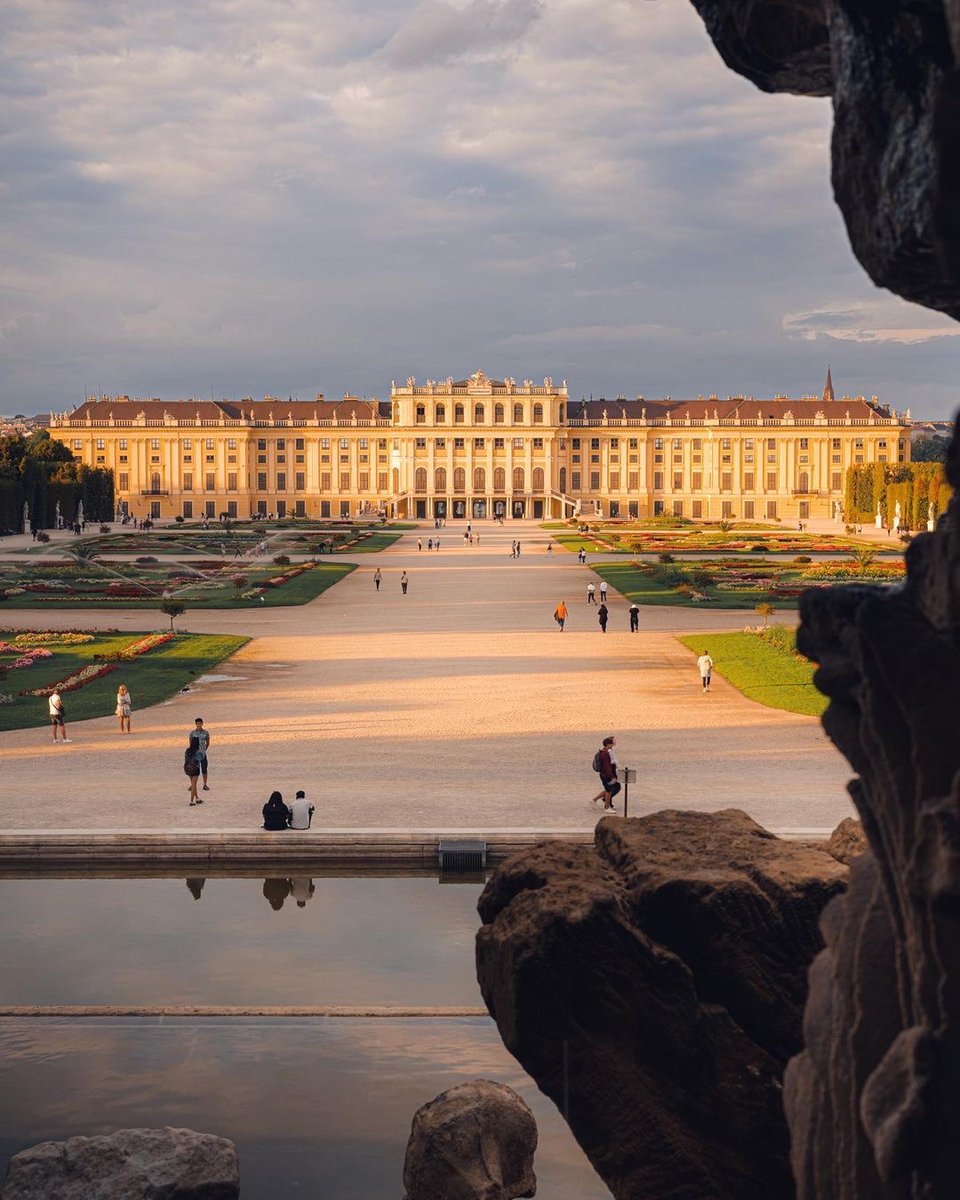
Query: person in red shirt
point(608, 774)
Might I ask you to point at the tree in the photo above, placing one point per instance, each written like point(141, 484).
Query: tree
point(765, 611)
point(239, 585)
point(929, 449)
point(172, 609)
point(725, 526)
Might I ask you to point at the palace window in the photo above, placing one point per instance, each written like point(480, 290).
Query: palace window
point(421, 414)
point(123, 458)
point(633, 444)
point(594, 481)
point(479, 479)
point(209, 443)
point(771, 510)
point(518, 414)
point(725, 458)
point(748, 481)
point(538, 443)
point(440, 415)
point(575, 481)
point(440, 479)
point(364, 481)
point(594, 458)
point(518, 443)
point(499, 479)
point(836, 481)
point(123, 443)
point(771, 481)
point(439, 444)
point(324, 481)
point(459, 443)
point(498, 443)
point(297, 445)
point(100, 445)
point(575, 443)
point(364, 444)
point(344, 443)
point(77, 444)
point(518, 479)
point(261, 481)
point(658, 508)
point(282, 481)
point(154, 443)
point(458, 414)
point(594, 443)
point(614, 481)
point(299, 481)
point(678, 508)
point(210, 482)
point(697, 508)
point(324, 443)
point(124, 481)
point(726, 509)
point(261, 458)
point(658, 443)
point(724, 443)
point(658, 481)
point(231, 481)
point(344, 481)
point(678, 481)
point(633, 481)
point(479, 443)
point(382, 481)
point(563, 479)
point(748, 443)
point(538, 414)
point(678, 458)
point(420, 443)
point(188, 481)
point(261, 443)
point(210, 458)
point(538, 479)
point(726, 481)
point(478, 414)
point(748, 508)
point(459, 479)
point(498, 414)
point(771, 443)
point(696, 481)
point(804, 443)
point(835, 444)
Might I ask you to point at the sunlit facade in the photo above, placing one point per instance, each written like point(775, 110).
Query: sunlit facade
point(482, 447)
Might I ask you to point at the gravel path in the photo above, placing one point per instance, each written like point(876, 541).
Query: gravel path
point(459, 705)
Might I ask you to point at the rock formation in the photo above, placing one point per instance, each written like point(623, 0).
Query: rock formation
point(131, 1164)
point(872, 1099)
point(653, 986)
point(892, 70)
point(847, 841)
point(473, 1142)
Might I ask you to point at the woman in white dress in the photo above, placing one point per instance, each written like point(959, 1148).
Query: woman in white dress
point(124, 706)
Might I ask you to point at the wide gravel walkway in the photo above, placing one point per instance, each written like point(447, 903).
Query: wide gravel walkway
point(459, 705)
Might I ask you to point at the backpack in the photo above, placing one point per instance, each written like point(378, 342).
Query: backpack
point(597, 765)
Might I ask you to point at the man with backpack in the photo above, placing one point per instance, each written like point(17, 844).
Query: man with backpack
point(605, 764)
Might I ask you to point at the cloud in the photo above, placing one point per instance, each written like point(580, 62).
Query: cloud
point(883, 321)
point(301, 195)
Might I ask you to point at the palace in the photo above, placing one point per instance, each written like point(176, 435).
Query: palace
point(484, 447)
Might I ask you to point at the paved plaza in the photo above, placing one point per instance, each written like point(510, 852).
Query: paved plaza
point(459, 705)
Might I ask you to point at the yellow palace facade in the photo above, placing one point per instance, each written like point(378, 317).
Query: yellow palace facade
point(482, 447)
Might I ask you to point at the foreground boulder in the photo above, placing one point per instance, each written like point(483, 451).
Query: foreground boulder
point(847, 841)
point(653, 986)
point(131, 1164)
point(473, 1142)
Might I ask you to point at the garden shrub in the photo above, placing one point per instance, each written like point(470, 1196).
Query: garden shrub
point(282, 560)
point(145, 558)
point(759, 548)
point(700, 577)
point(803, 558)
point(665, 557)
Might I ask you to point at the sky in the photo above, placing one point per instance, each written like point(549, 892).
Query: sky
point(242, 197)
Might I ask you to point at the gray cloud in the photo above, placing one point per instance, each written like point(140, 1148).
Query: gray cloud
point(248, 196)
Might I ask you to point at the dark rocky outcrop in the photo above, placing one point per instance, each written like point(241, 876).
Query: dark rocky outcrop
point(892, 70)
point(847, 841)
point(473, 1142)
point(872, 1099)
point(131, 1164)
point(653, 986)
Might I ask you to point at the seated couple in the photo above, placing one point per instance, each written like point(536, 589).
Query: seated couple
point(277, 815)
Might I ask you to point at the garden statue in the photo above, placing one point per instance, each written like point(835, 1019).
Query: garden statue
point(57, 519)
point(930, 518)
point(896, 518)
point(80, 513)
point(26, 517)
point(878, 519)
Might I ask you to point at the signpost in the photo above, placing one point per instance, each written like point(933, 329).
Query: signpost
point(629, 775)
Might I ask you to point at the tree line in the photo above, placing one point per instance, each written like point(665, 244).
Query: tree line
point(920, 488)
point(40, 472)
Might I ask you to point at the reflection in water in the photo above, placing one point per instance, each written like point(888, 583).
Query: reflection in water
point(368, 940)
point(316, 1107)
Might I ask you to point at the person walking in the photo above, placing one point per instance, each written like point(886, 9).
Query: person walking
point(377, 579)
point(403, 582)
point(301, 812)
point(549, 547)
point(602, 615)
point(634, 617)
point(705, 663)
point(605, 764)
point(419, 543)
point(560, 614)
point(436, 544)
point(429, 544)
point(591, 592)
point(200, 741)
point(581, 556)
point(124, 707)
point(191, 768)
point(603, 591)
point(57, 716)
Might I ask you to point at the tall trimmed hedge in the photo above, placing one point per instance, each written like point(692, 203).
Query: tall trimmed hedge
point(914, 486)
point(39, 472)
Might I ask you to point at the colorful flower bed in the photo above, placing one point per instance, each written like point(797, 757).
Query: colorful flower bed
point(144, 644)
point(52, 639)
point(74, 681)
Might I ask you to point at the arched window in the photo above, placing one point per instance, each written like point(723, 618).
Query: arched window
point(498, 414)
point(518, 479)
point(538, 414)
point(458, 414)
point(538, 479)
point(803, 484)
point(459, 479)
point(563, 479)
point(478, 414)
point(499, 479)
point(479, 479)
point(440, 414)
point(518, 414)
point(396, 480)
point(421, 414)
point(155, 481)
point(563, 409)
point(421, 480)
point(440, 480)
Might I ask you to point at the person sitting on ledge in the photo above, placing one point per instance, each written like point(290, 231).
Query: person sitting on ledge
point(275, 813)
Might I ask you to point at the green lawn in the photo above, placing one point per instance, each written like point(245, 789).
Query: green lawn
point(301, 589)
point(761, 671)
point(150, 678)
point(639, 586)
point(376, 541)
point(572, 541)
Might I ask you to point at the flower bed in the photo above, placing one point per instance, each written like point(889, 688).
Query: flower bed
point(74, 681)
point(52, 639)
point(145, 644)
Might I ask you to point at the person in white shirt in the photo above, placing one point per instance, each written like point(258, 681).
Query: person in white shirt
point(591, 592)
point(705, 663)
point(603, 590)
point(301, 812)
point(57, 713)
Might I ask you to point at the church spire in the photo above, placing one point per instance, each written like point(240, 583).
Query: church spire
point(828, 387)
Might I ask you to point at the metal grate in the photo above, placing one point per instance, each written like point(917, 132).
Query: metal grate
point(460, 857)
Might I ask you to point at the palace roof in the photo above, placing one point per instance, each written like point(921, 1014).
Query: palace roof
point(123, 409)
point(733, 407)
